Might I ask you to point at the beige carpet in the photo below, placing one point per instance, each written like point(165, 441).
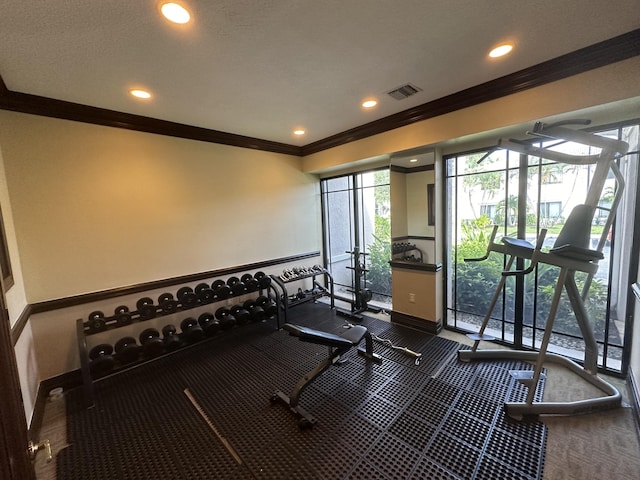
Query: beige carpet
point(602, 445)
point(598, 445)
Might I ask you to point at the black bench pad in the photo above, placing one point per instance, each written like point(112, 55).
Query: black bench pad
point(349, 338)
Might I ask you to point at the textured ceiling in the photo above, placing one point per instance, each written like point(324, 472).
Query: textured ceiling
point(261, 68)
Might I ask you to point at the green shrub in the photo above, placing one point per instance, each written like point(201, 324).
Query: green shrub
point(379, 274)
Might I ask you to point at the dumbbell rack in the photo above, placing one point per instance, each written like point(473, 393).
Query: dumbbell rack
point(403, 248)
point(146, 312)
point(317, 290)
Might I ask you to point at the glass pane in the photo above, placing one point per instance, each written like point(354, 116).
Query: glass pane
point(377, 238)
point(372, 211)
point(337, 184)
point(480, 200)
point(339, 218)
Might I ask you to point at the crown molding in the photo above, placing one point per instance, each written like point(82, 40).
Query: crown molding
point(50, 107)
point(610, 51)
point(594, 56)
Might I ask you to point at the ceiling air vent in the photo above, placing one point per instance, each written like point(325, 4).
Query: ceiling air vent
point(404, 91)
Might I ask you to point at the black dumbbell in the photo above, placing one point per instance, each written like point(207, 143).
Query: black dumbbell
point(102, 360)
point(171, 339)
point(209, 323)
point(127, 350)
point(123, 317)
point(242, 314)
point(191, 330)
point(221, 290)
point(264, 280)
point(186, 297)
point(227, 320)
point(256, 311)
point(96, 321)
point(269, 306)
point(146, 308)
point(236, 286)
point(204, 293)
point(167, 303)
point(250, 283)
point(152, 345)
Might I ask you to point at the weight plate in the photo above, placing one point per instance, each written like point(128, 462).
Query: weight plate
point(259, 275)
point(129, 354)
point(205, 318)
point(184, 291)
point(217, 284)
point(148, 333)
point(172, 343)
point(165, 297)
point(262, 301)
point(242, 316)
point(232, 280)
point(153, 348)
point(189, 299)
point(168, 330)
point(246, 277)
point(227, 322)
point(264, 282)
point(212, 327)
point(100, 351)
point(188, 323)
point(248, 304)
point(95, 315)
point(169, 306)
point(143, 301)
point(222, 292)
point(206, 295)
point(147, 311)
point(237, 289)
point(191, 330)
point(123, 343)
point(102, 365)
point(258, 314)
point(252, 285)
point(366, 295)
point(97, 325)
point(123, 319)
point(201, 286)
point(270, 308)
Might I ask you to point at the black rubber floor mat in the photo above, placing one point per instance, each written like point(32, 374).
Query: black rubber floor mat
point(204, 413)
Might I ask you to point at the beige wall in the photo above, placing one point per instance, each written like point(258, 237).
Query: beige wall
point(94, 208)
point(417, 293)
point(98, 207)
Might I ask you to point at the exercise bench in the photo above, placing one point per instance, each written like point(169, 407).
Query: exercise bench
point(338, 345)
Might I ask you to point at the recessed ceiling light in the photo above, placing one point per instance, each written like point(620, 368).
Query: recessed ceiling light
point(175, 13)
point(369, 103)
point(501, 50)
point(138, 93)
point(299, 132)
point(413, 160)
